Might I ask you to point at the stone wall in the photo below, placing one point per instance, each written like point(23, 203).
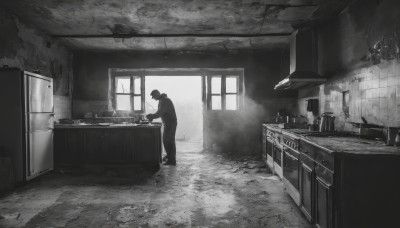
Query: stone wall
point(27, 48)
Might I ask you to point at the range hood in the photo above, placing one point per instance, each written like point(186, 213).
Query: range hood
point(303, 61)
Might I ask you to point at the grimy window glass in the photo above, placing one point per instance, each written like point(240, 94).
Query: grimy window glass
point(224, 92)
point(216, 93)
point(231, 93)
point(128, 93)
point(123, 85)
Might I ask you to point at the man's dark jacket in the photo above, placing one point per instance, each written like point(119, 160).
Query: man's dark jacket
point(166, 110)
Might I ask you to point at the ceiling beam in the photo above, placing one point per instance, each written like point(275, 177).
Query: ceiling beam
point(226, 35)
point(288, 5)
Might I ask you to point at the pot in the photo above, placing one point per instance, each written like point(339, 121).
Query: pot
point(327, 122)
point(391, 135)
point(109, 113)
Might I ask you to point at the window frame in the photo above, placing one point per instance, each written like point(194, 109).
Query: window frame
point(237, 91)
point(132, 93)
point(220, 94)
point(223, 95)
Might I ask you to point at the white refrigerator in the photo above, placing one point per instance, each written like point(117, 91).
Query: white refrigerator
point(27, 122)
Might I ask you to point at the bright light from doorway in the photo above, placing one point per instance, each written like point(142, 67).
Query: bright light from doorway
point(186, 94)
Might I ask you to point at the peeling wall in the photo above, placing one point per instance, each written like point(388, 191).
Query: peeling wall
point(237, 132)
point(25, 47)
point(352, 56)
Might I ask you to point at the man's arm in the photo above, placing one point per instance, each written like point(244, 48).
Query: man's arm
point(160, 111)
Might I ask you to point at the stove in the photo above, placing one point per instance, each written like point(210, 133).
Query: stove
point(291, 157)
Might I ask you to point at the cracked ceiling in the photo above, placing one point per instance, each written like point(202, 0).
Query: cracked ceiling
point(189, 25)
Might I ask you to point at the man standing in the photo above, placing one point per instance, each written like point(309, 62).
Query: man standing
point(166, 111)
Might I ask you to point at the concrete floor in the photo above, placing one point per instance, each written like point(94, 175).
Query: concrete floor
point(205, 189)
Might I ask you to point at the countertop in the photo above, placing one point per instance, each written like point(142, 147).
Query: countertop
point(342, 143)
point(105, 126)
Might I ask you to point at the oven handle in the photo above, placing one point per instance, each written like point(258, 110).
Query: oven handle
point(291, 156)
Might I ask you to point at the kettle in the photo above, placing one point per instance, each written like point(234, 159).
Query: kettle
point(397, 140)
point(327, 122)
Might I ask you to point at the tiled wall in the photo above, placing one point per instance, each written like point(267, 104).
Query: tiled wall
point(374, 94)
point(62, 107)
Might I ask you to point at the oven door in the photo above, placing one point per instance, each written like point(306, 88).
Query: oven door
point(269, 148)
point(291, 173)
point(277, 157)
point(291, 166)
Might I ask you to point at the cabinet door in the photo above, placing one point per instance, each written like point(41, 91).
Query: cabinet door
point(118, 146)
point(60, 143)
point(93, 145)
point(323, 190)
point(68, 146)
point(145, 146)
point(306, 191)
point(74, 145)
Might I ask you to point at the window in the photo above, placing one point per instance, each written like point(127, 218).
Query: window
point(224, 92)
point(231, 93)
point(128, 93)
point(216, 93)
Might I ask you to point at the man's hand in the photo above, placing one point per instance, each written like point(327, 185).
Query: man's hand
point(150, 117)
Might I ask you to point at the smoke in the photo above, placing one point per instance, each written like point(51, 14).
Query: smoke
point(240, 131)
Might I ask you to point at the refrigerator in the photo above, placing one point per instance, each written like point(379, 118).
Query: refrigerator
point(27, 122)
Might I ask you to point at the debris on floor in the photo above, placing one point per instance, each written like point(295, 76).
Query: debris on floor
point(203, 190)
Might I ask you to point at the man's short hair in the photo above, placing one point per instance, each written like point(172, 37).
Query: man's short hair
point(154, 92)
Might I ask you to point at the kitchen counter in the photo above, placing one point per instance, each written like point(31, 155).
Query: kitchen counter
point(106, 125)
point(344, 143)
point(107, 143)
point(352, 145)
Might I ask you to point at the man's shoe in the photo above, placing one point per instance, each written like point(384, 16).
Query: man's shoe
point(169, 163)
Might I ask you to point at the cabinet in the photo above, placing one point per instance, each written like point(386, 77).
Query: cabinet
point(316, 186)
point(93, 145)
point(323, 204)
point(118, 146)
point(107, 146)
point(355, 183)
point(306, 191)
point(69, 146)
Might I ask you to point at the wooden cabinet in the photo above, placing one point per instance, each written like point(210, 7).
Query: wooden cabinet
point(107, 146)
point(69, 146)
point(323, 203)
point(143, 145)
point(307, 191)
point(316, 186)
point(346, 186)
point(118, 146)
point(93, 145)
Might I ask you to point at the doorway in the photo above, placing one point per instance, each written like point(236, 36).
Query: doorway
point(186, 94)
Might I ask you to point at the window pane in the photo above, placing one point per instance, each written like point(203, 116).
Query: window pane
point(231, 84)
point(136, 82)
point(123, 84)
point(137, 103)
point(231, 102)
point(216, 85)
point(216, 102)
point(123, 102)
